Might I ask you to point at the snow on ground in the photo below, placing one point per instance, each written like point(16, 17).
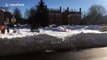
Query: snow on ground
point(60, 37)
point(60, 31)
point(71, 30)
point(86, 40)
point(27, 44)
point(22, 33)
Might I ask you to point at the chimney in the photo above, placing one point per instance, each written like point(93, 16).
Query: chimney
point(60, 9)
point(80, 10)
point(67, 8)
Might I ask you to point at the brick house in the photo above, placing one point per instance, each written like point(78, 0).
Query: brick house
point(1, 17)
point(59, 17)
point(55, 16)
point(5, 15)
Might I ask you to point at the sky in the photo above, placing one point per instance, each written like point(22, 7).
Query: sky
point(72, 4)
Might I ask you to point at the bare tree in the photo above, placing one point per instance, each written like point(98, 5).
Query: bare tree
point(95, 14)
point(97, 10)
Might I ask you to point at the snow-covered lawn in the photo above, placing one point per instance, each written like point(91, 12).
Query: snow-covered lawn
point(60, 31)
point(61, 37)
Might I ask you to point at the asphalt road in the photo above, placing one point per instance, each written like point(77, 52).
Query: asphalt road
point(87, 54)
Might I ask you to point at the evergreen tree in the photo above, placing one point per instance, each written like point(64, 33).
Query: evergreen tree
point(42, 14)
point(17, 14)
point(31, 14)
point(38, 16)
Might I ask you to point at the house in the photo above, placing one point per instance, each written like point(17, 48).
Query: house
point(1, 17)
point(64, 17)
point(5, 15)
point(55, 16)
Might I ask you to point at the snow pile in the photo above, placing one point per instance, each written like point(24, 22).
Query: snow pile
point(42, 42)
point(86, 40)
point(64, 37)
point(69, 32)
point(28, 44)
point(59, 28)
point(22, 33)
point(60, 31)
point(78, 27)
point(93, 27)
